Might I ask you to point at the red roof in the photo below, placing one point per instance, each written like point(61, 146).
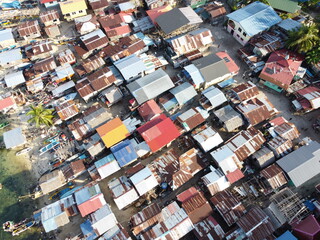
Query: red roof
point(278, 121)
point(118, 31)
point(149, 109)
point(6, 102)
point(187, 194)
point(231, 65)
point(307, 229)
point(308, 90)
point(281, 67)
point(234, 176)
point(91, 205)
point(156, 12)
point(46, 1)
point(159, 132)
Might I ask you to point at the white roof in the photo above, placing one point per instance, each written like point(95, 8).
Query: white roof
point(126, 6)
point(14, 138)
point(144, 181)
point(64, 71)
point(126, 199)
point(10, 56)
point(108, 169)
point(14, 79)
point(195, 74)
point(57, 91)
point(130, 66)
point(208, 139)
point(6, 34)
point(215, 96)
point(92, 34)
point(103, 219)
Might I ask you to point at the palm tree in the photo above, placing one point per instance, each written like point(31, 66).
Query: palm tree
point(304, 39)
point(313, 56)
point(40, 115)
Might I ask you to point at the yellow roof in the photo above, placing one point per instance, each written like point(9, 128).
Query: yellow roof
point(113, 132)
point(72, 6)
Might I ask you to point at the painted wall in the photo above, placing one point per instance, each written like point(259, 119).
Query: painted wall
point(74, 15)
point(237, 32)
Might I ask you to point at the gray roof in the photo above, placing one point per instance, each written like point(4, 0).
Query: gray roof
point(177, 18)
point(290, 24)
point(302, 164)
point(255, 17)
point(130, 66)
point(150, 86)
point(14, 79)
point(183, 93)
point(10, 56)
point(14, 138)
point(215, 96)
point(211, 67)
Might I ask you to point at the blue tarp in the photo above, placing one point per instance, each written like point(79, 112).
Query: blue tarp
point(287, 236)
point(124, 153)
point(104, 161)
point(226, 83)
point(309, 205)
point(88, 231)
point(12, 5)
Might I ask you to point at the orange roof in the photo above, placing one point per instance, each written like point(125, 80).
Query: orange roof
point(231, 65)
point(156, 12)
point(113, 132)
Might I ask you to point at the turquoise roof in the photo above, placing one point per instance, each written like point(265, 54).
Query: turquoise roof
point(255, 18)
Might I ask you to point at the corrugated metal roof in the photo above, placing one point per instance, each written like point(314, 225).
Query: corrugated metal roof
point(211, 67)
point(207, 137)
point(130, 66)
point(144, 181)
point(103, 219)
point(87, 193)
point(14, 138)
point(87, 230)
point(184, 93)
point(116, 233)
point(289, 6)
point(307, 228)
point(149, 109)
point(302, 164)
point(229, 117)
point(177, 18)
point(195, 74)
point(274, 175)
point(159, 132)
point(107, 166)
point(208, 229)
point(52, 181)
point(215, 96)
point(124, 153)
point(150, 86)
point(289, 24)
point(256, 224)
point(14, 79)
point(255, 17)
point(229, 207)
point(215, 181)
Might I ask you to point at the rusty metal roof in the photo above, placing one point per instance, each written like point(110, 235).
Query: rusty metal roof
point(246, 91)
point(176, 170)
point(93, 63)
point(254, 110)
point(146, 218)
point(101, 79)
point(50, 15)
point(66, 56)
point(28, 28)
point(246, 142)
point(256, 224)
point(280, 145)
point(274, 175)
point(229, 207)
point(287, 130)
point(84, 88)
point(208, 229)
point(44, 65)
point(67, 110)
point(95, 40)
point(41, 47)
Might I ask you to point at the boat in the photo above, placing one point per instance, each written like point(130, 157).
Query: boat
point(49, 147)
point(23, 151)
point(23, 227)
point(59, 193)
point(4, 124)
point(8, 226)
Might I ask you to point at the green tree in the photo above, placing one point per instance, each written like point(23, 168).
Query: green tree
point(304, 39)
point(313, 56)
point(40, 116)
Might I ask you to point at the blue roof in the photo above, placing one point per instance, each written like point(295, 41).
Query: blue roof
point(104, 161)
point(88, 231)
point(255, 18)
point(124, 152)
point(287, 236)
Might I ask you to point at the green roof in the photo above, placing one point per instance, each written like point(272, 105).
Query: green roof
point(289, 6)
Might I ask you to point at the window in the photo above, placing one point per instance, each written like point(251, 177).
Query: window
point(73, 13)
point(80, 11)
point(226, 59)
point(244, 34)
point(241, 39)
point(68, 14)
point(239, 29)
point(238, 35)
